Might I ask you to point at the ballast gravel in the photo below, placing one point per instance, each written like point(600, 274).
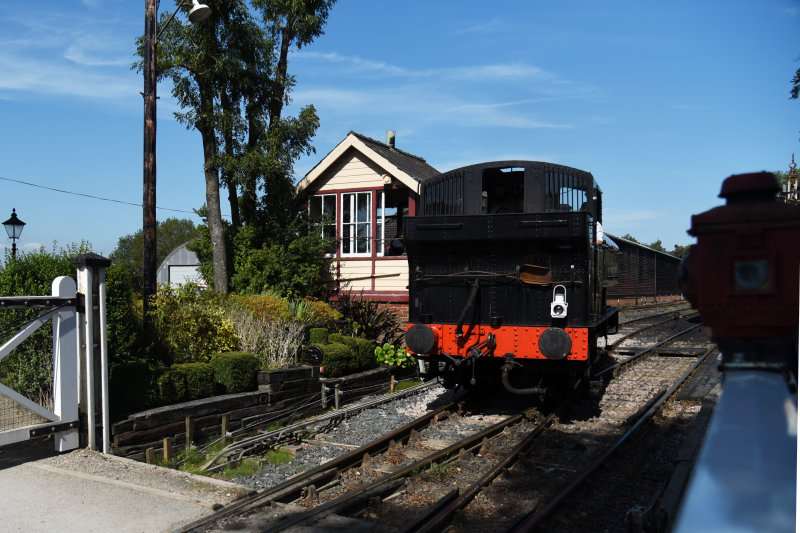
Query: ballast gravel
point(362, 428)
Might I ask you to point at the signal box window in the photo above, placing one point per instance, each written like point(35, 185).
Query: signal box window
point(356, 223)
point(322, 211)
point(392, 207)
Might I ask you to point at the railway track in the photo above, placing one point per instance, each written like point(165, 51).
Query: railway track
point(411, 480)
point(249, 444)
point(321, 485)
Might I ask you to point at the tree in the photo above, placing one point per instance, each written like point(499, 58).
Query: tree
point(230, 77)
point(170, 233)
point(795, 92)
point(656, 245)
point(680, 251)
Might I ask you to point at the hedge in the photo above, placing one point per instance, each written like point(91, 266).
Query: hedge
point(186, 381)
point(129, 384)
point(317, 336)
point(338, 359)
point(235, 371)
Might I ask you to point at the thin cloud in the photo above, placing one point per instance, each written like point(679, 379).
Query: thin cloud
point(422, 104)
point(54, 78)
point(493, 72)
point(97, 51)
point(491, 26)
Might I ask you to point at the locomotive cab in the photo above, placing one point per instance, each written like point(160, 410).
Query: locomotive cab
point(508, 268)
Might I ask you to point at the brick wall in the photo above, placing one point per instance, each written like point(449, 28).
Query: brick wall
point(398, 308)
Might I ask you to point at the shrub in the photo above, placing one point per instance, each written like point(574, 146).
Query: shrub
point(186, 381)
point(235, 371)
point(129, 384)
point(275, 343)
point(171, 387)
point(338, 359)
point(268, 306)
point(366, 354)
point(318, 335)
point(367, 319)
point(311, 311)
point(191, 325)
point(199, 380)
point(389, 355)
point(343, 339)
point(126, 336)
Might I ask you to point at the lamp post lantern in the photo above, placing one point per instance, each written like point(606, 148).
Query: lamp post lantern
point(197, 13)
point(14, 229)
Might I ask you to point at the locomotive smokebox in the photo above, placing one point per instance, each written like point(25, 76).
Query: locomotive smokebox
point(742, 275)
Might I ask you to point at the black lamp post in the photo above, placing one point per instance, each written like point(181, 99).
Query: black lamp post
point(14, 229)
point(197, 13)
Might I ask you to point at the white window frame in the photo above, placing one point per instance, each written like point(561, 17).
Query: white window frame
point(380, 241)
point(322, 225)
point(352, 199)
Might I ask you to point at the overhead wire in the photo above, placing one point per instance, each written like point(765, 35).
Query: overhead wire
point(93, 197)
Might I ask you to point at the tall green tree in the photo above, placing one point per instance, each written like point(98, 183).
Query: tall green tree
point(230, 77)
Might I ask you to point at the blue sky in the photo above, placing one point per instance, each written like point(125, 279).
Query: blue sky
point(659, 100)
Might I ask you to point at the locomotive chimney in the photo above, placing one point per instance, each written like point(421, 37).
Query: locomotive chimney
point(390, 134)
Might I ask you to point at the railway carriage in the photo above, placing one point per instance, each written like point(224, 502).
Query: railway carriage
point(508, 270)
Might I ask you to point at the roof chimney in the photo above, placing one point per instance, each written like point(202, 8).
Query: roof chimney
point(390, 138)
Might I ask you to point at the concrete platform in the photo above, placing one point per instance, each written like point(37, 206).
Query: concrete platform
point(38, 496)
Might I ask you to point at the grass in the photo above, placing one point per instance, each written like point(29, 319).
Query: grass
point(434, 470)
point(245, 467)
point(406, 384)
point(279, 456)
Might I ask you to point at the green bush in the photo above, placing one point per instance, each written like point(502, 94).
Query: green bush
point(191, 324)
point(128, 386)
point(343, 339)
point(200, 381)
point(390, 355)
point(347, 357)
point(235, 371)
point(338, 360)
point(186, 381)
point(127, 340)
point(367, 319)
point(172, 387)
point(318, 336)
point(366, 353)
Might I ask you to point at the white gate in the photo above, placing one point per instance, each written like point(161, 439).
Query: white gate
point(74, 315)
point(22, 418)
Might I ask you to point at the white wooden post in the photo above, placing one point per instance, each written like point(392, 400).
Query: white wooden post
point(85, 284)
point(90, 267)
point(101, 291)
point(65, 365)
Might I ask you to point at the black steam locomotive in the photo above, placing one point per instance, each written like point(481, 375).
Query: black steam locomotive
point(508, 270)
